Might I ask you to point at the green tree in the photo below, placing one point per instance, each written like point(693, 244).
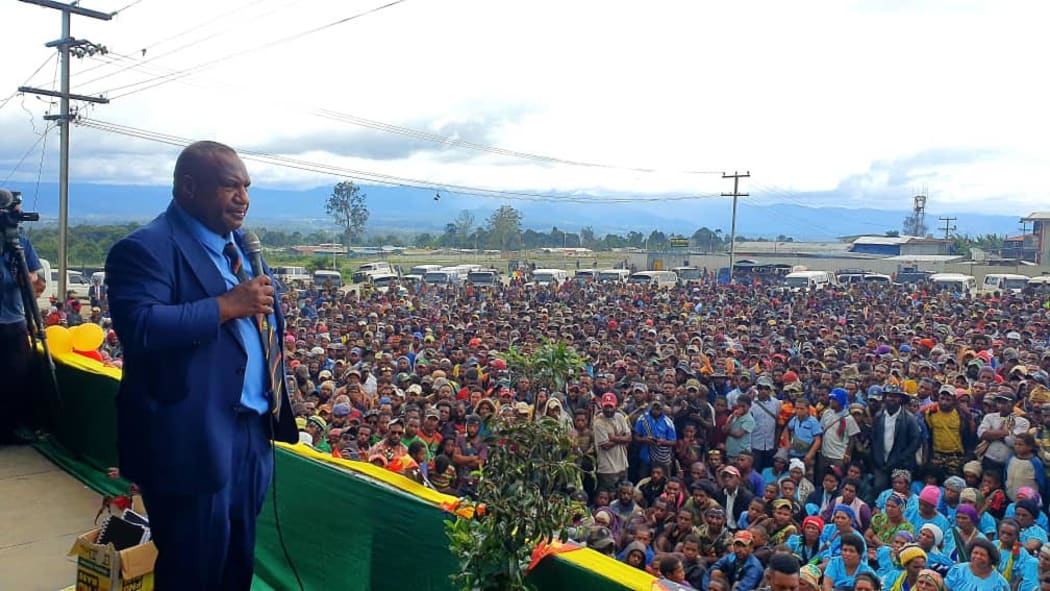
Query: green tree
point(348, 207)
point(707, 239)
point(550, 365)
point(587, 237)
point(464, 225)
point(504, 228)
point(522, 501)
point(424, 240)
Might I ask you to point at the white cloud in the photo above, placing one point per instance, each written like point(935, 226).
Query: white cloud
point(809, 97)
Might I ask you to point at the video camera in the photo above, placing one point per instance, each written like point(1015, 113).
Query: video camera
point(11, 214)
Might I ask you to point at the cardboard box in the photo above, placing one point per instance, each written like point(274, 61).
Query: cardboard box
point(103, 568)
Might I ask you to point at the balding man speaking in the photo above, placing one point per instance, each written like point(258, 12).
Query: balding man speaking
point(197, 407)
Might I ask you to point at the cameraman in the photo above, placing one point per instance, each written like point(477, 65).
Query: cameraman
point(15, 355)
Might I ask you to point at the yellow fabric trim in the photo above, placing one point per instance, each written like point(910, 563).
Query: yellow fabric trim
point(77, 361)
point(610, 568)
point(441, 500)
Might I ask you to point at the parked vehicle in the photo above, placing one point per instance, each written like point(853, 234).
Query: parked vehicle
point(416, 273)
point(613, 275)
point(445, 277)
point(911, 276)
point(1003, 282)
point(323, 276)
point(287, 275)
point(1042, 282)
point(586, 275)
point(546, 276)
point(800, 280)
point(484, 277)
point(656, 278)
point(75, 282)
point(954, 282)
point(688, 274)
point(383, 281)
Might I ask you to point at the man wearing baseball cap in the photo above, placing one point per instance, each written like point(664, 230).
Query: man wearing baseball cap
point(740, 571)
point(733, 497)
point(612, 435)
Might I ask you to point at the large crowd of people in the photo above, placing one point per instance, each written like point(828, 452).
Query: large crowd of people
point(875, 437)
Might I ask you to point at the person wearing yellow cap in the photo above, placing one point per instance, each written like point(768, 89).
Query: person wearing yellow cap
point(912, 559)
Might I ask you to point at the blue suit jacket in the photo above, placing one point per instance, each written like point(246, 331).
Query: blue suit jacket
point(183, 370)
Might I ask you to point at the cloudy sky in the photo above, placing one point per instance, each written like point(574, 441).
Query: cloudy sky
point(851, 103)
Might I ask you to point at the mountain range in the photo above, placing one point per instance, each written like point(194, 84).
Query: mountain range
point(402, 210)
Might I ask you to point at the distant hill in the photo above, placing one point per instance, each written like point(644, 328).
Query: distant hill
point(397, 209)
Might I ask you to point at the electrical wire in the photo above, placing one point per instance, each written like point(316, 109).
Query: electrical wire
point(161, 80)
point(194, 43)
point(436, 138)
point(382, 178)
point(120, 10)
point(28, 152)
point(30, 78)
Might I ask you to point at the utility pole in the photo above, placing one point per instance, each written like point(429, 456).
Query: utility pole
point(732, 228)
point(948, 229)
point(81, 47)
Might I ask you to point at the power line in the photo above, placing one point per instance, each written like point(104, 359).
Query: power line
point(120, 10)
point(30, 78)
point(153, 83)
point(194, 43)
point(383, 178)
point(436, 138)
point(28, 152)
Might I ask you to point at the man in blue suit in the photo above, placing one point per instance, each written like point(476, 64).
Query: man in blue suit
point(196, 410)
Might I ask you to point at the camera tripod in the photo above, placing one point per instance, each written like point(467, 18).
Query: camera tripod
point(12, 246)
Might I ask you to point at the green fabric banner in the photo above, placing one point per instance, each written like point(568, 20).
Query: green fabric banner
point(342, 530)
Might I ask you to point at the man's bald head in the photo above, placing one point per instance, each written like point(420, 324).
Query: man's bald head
point(194, 160)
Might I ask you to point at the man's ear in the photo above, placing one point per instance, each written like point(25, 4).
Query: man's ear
point(187, 187)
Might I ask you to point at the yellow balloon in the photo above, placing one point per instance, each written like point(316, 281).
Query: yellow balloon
point(87, 337)
point(59, 339)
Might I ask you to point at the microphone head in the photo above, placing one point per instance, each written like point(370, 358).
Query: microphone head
point(252, 245)
point(6, 198)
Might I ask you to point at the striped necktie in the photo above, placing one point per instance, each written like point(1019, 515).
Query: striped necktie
point(267, 334)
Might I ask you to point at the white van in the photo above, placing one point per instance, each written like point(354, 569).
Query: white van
point(382, 280)
point(799, 280)
point(613, 275)
point(75, 281)
point(1003, 282)
point(377, 267)
point(287, 275)
point(546, 276)
point(323, 276)
point(1042, 282)
point(484, 277)
point(655, 278)
point(416, 273)
point(954, 282)
point(688, 274)
point(586, 275)
point(446, 276)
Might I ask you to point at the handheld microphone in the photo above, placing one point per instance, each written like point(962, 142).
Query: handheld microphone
point(253, 248)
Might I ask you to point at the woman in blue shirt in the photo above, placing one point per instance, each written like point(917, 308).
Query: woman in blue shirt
point(843, 569)
point(980, 573)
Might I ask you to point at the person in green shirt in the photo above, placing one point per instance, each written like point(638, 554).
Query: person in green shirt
point(318, 430)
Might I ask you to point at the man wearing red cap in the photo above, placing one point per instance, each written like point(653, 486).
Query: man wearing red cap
point(740, 570)
point(612, 435)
